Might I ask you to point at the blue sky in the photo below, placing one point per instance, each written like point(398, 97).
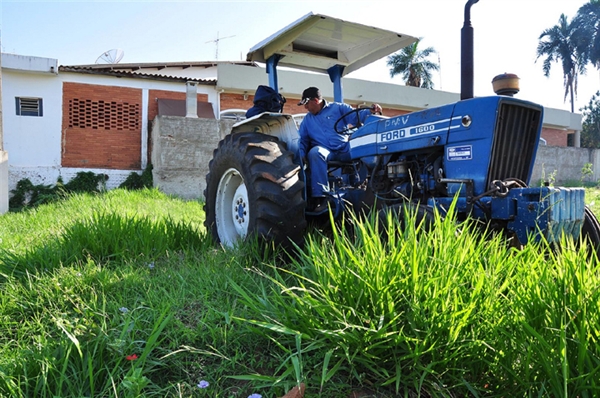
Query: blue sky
point(506, 34)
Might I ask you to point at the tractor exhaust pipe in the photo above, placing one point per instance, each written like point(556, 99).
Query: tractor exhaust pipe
point(466, 55)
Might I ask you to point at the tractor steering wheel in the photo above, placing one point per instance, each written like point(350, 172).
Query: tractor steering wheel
point(346, 129)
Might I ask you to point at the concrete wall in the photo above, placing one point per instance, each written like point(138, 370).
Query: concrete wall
point(564, 164)
point(181, 150)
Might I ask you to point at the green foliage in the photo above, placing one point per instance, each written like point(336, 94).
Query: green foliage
point(90, 281)
point(137, 181)
point(69, 325)
point(451, 312)
point(27, 195)
point(104, 238)
point(549, 180)
point(590, 132)
point(412, 63)
point(587, 172)
point(587, 25)
point(86, 181)
point(558, 44)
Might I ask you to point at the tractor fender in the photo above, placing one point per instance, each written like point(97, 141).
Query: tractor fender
point(280, 125)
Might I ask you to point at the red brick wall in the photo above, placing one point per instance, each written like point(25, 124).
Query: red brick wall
point(555, 137)
point(101, 126)
point(154, 95)
point(389, 112)
point(237, 101)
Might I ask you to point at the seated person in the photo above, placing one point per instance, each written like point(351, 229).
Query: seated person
point(319, 142)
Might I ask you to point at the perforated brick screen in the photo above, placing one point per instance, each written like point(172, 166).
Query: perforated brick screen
point(102, 126)
point(103, 115)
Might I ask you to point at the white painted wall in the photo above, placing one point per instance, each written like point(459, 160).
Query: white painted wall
point(34, 143)
point(32, 140)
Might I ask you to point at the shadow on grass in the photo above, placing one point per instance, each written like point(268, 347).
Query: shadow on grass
point(106, 238)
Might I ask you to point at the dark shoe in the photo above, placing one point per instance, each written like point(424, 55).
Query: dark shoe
point(317, 205)
point(321, 206)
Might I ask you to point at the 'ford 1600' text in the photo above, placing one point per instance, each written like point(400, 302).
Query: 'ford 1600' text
point(392, 135)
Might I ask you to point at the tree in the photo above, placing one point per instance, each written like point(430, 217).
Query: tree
point(590, 133)
point(558, 44)
point(587, 31)
point(412, 63)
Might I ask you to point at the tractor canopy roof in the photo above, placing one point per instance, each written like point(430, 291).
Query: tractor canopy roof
point(318, 42)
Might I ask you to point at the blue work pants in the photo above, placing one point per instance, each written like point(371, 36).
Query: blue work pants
point(317, 162)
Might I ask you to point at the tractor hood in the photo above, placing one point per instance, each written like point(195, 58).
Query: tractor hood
point(318, 42)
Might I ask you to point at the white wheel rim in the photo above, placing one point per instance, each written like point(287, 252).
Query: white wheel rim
point(232, 211)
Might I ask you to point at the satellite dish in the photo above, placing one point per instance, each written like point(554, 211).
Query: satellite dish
point(111, 56)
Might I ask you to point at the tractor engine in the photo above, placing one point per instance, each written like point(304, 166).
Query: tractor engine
point(409, 176)
point(478, 152)
point(466, 148)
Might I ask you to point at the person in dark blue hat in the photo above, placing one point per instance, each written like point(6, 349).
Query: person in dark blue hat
point(319, 142)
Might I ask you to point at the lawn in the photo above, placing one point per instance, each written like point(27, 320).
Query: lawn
point(122, 294)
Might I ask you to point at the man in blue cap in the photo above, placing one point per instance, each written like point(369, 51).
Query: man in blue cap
point(319, 142)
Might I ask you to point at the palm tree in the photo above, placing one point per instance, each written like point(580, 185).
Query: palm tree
point(558, 44)
point(413, 65)
point(587, 31)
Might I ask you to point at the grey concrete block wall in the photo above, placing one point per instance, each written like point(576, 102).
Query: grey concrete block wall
point(564, 164)
point(181, 150)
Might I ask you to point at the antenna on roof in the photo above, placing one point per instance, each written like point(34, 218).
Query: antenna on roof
point(216, 41)
point(111, 56)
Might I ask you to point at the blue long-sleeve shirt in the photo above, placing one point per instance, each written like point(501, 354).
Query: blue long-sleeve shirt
point(319, 129)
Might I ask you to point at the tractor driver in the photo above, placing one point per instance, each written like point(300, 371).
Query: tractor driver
point(319, 142)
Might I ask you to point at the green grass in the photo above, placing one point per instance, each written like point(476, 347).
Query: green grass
point(87, 282)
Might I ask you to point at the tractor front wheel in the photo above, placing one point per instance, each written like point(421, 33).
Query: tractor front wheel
point(591, 229)
point(253, 189)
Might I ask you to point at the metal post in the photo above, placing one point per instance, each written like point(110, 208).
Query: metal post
point(335, 74)
point(272, 71)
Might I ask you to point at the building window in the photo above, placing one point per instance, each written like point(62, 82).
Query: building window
point(29, 106)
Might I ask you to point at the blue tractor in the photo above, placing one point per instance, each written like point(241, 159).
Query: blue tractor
point(478, 152)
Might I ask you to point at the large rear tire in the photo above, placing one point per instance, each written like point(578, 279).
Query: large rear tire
point(253, 189)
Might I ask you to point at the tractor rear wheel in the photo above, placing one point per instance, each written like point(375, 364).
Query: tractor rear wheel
point(253, 188)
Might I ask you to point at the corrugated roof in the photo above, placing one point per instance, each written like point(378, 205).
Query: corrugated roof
point(159, 65)
point(135, 70)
